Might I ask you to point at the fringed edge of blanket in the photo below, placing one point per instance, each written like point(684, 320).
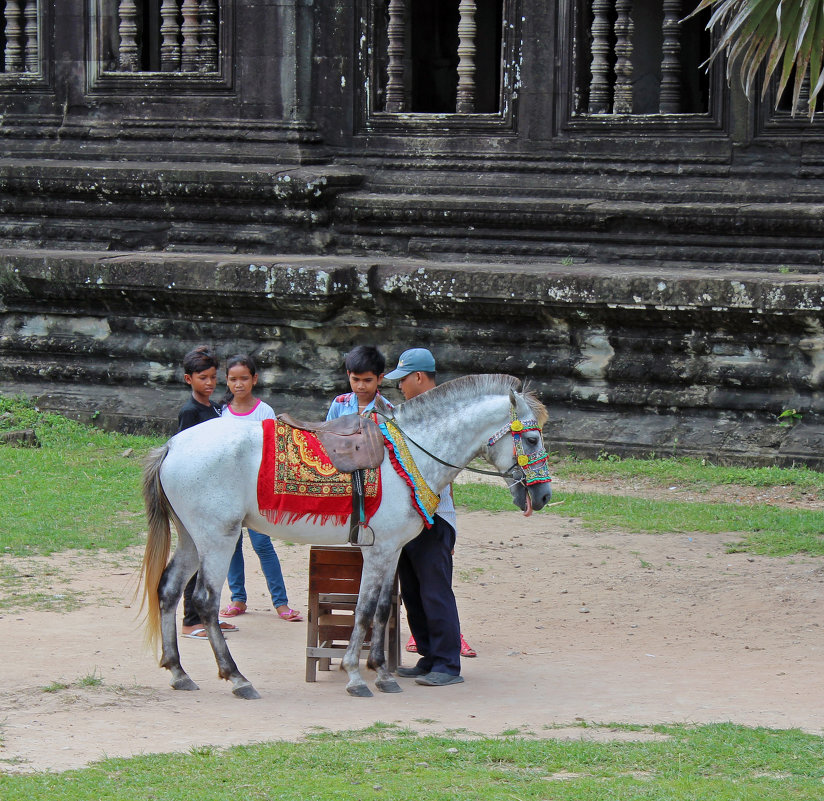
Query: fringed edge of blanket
point(279, 516)
point(428, 520)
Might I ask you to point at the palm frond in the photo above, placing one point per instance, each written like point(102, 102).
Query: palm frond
point(768, 33)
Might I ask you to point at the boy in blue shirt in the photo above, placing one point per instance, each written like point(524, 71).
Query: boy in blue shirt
point(364, 367)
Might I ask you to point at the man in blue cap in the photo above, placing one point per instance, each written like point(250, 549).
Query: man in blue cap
point(425, 564)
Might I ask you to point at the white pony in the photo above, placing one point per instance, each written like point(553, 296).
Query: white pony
point(205, 480)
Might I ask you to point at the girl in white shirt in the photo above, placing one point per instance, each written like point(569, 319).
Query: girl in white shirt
point(241, 404)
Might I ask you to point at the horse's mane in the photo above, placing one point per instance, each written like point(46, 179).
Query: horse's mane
point(422, 407)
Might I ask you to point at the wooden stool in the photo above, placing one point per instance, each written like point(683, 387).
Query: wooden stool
point(334, 582)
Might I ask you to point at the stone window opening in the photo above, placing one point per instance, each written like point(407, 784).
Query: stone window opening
point(784, 105)
point(160, 36)
point(640, 57)
point(19, 37)
point(437, 57)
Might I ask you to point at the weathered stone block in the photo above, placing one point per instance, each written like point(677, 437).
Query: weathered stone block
point(642, 363)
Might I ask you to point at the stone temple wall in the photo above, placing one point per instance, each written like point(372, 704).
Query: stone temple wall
point(648, 361)
point(651, 264)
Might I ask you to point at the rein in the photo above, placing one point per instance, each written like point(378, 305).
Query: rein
point(530, 474)
point(437, 458)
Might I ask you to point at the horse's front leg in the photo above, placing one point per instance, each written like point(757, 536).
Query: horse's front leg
point(373, 608)
point(377, 652)
point(351, 658)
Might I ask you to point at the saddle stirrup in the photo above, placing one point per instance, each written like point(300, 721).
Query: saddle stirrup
point(358, 519)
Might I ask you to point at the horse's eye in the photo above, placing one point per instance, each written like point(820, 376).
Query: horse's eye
point(532, 439)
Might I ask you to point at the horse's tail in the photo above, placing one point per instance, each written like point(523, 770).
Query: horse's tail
point(158, 543)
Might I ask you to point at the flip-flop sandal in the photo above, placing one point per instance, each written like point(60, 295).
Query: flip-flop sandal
point(411, 646)
point(200, 634)
point(291, 616)
point(232, 610)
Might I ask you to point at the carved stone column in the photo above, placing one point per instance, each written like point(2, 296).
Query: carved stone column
point(169, 30)
point(623, 52)
point(32, 55)
point(207, 54)
point(14, 37)
point(190, 30)
point(670, 102)
point(397, 99)
point(599, 88)
point(467, 30)
point(127, 55)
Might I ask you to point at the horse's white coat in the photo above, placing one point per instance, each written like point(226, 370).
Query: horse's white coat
point(209, 477)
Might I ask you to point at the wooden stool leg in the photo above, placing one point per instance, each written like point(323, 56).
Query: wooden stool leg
point(312, 637)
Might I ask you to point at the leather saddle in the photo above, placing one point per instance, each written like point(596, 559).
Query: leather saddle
point(351, 441)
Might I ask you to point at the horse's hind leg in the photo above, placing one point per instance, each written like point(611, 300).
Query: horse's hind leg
point(377, 652)
point(177, 573)
point(206, 601)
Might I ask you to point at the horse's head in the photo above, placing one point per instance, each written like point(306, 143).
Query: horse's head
point(517, 451)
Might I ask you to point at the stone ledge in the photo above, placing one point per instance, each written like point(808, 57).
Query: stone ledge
point(630, 359)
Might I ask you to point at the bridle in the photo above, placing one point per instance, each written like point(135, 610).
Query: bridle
point(534, 469)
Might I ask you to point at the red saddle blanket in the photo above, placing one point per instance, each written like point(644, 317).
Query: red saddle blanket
point(297, 479)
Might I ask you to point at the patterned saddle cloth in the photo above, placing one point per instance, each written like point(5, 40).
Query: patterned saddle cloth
point(297, 479)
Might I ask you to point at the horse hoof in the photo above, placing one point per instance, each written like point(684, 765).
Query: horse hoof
point(390, 686)
point(246, 691)
point(184, 683)
point(359, 691)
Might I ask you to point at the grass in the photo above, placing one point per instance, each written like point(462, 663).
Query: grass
point(690, 473)
point(90, 680)
point(757, 528)
point(703, 763)
point(56, 687)
point(79, 490)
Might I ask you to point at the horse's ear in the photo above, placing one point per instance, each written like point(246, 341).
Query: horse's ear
point(383, 407)
point(512, 398)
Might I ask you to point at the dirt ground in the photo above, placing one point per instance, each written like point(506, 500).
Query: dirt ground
point(571, 625)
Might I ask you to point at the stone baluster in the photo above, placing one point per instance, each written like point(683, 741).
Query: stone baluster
point(599, 89)
point(207, 54)
point(190, 29)
point(670, 102)
point(169, 30)
point(32, 56)
point(127, 53)
point(623, 57)
point(397, 99)
point(14, 37)
point(804, 94)
point(467, 30)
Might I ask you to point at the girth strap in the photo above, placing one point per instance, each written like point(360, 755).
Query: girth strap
point(358, 518)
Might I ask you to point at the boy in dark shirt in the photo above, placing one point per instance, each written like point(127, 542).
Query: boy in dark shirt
point(200, 373)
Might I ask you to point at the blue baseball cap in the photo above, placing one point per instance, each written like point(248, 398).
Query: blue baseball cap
point(413, 361)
